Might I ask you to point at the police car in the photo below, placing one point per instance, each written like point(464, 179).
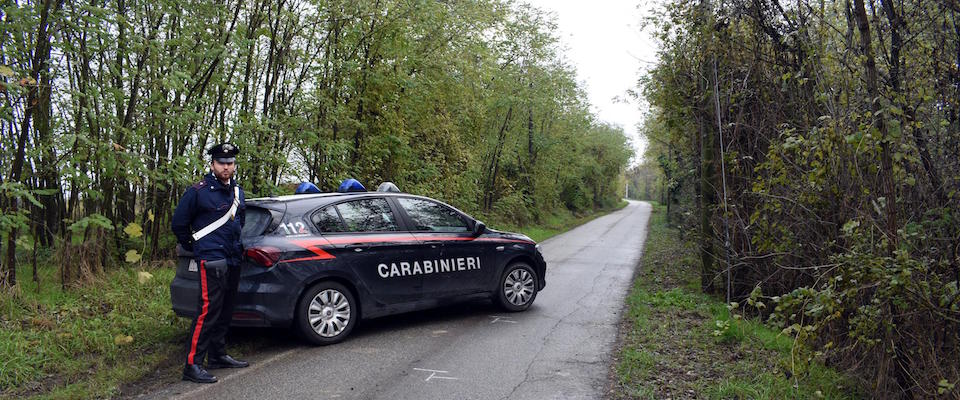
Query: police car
point(321, 262)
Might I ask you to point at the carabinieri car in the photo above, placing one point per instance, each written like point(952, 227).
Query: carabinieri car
point(321, 262)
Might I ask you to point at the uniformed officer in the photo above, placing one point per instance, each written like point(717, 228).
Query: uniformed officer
point(208, 221)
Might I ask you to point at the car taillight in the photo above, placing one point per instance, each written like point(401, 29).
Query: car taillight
point(265, 256)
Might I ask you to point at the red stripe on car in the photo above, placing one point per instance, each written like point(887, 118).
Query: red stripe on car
point(313, 245)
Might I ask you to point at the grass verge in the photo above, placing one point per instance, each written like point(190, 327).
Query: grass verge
point(679, 343)
point(82, 342)
point(89, 341)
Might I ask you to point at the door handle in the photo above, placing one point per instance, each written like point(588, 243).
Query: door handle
point(500, 248)
point(358, 247)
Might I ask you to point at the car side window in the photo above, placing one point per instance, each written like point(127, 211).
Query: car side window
point(431, 216)
point(327, 220)
point(367, 215)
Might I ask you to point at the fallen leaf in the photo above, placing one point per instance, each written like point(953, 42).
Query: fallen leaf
point(122, 340)
point(41, 323)
point(6, 71)
point(144, 277)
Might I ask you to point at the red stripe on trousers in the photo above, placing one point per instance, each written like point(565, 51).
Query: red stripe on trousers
point(203, 312)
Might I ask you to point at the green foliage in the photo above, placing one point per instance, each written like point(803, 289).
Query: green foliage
point(470, 102)
point(840, 165)
point(80, 229)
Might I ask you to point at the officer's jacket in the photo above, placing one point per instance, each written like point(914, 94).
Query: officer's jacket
point(202, 204)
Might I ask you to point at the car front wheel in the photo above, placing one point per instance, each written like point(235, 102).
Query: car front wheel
point(326, 313)
point(518, 287)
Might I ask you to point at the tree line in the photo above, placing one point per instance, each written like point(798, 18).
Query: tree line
point(108, 107)
point(813, 150)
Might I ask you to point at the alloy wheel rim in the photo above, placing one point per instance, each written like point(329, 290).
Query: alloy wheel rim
point(329, 313)
point(518, 287)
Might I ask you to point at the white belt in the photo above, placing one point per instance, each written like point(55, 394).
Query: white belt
point(231, 213)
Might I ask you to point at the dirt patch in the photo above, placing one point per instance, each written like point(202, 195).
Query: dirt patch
point(166, 372)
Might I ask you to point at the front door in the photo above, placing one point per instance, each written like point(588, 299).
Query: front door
point(459, 265)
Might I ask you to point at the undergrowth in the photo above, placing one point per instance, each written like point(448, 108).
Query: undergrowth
point(680, 343)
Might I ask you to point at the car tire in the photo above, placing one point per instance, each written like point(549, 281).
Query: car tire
point(327, 313)
point(517, 287)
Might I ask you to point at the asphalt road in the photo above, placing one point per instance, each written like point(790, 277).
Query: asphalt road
point(558, 349)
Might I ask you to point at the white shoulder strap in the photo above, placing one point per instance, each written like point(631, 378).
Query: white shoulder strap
point(231, 213)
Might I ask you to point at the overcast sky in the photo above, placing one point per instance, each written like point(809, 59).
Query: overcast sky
point(603, 39)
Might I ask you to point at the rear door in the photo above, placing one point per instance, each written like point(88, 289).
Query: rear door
point(463, 265)
point(368, 238)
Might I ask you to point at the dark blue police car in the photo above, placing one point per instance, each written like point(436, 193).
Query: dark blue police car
point(321, 262)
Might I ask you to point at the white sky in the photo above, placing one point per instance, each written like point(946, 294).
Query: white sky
point(603, 39)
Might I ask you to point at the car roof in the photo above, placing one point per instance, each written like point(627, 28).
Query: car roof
point(296, 197)
point(303, 201)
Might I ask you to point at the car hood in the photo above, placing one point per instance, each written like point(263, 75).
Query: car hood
point(511, 235)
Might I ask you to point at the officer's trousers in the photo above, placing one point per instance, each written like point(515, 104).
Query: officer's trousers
point(218, 288)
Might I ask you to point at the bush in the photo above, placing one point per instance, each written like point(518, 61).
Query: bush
point(899, 315)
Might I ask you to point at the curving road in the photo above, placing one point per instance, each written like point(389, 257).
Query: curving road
point(559, 349)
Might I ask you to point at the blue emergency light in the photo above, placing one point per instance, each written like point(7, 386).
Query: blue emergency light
point(351, 185)
point(307, 187)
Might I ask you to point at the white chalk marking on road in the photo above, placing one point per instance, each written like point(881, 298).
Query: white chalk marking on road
point(433, 374)
point(497, 318)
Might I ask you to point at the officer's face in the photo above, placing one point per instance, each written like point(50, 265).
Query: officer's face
point(223, 171)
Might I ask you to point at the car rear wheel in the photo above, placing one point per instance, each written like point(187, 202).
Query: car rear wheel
point(518, 287)
point(326, 313)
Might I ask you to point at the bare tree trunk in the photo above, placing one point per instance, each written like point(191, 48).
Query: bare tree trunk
point(49, 175)
point(368, 63)
point(8, 271)
point(886, 159)
point(708, 170)
point(494, 167)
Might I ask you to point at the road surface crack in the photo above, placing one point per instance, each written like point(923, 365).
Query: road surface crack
point(547, 337)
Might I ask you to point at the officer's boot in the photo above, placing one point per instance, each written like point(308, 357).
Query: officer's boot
point(225, 361)
point(193, 372)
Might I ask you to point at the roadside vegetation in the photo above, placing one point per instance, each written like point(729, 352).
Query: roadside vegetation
point(679, 343)
point(810, 151)
point(94, 339)
point(107, 109)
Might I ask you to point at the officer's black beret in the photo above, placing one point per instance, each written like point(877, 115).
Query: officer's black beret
point(224, 152)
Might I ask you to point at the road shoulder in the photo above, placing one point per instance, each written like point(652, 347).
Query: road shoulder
point(675, 342)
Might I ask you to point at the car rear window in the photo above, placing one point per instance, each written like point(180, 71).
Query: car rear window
point(255, 221)
point(328, 220)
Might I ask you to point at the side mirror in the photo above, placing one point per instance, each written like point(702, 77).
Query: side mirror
point(479, 228)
